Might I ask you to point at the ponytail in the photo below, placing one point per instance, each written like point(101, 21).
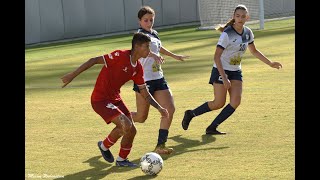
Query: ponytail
point(231, 21)
point(222, 27)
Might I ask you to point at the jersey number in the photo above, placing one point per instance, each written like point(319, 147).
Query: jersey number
point(242, 47)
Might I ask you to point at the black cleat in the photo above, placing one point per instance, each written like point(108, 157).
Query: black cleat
point(186, 119)
point(106, 154)
point(214, 132)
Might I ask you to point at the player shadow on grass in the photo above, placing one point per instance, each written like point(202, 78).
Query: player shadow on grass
point(97, 172)
point(144, 177)
point(101, 168)
point(186, 144)
point(183, 148)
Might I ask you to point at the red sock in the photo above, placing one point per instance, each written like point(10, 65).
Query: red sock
point(124, 151)
point(108, 142)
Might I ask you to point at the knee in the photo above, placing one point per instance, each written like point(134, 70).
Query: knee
point(235, 104)
point(141, 118)
point(213, 105)
point(133, 130)
point(171, 109)
point(130, 131)
point(126, 124)
point(126, 128)
point(220, 105)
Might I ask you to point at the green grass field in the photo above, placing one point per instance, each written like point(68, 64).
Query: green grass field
point(62, 130)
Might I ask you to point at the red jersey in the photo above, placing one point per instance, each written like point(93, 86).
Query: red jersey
point(115, 73)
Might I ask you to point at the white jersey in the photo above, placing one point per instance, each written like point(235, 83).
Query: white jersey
point(152, 70)
point(234, 45)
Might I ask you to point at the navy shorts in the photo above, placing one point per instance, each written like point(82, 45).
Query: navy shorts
point(154, 85)
point(231, 75)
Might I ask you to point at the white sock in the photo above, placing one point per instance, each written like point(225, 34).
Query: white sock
point(103, 147)
point(120, 158)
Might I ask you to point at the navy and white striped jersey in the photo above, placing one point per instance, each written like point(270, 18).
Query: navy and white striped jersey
point(234, 45)
point(152, 70)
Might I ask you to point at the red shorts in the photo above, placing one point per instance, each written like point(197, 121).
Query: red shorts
point(109, 110)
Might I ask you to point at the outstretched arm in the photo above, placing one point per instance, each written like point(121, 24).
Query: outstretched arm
point(262, 57)
point(165, 51)
point(148, 97)
point(158, 59)
point(67, 78)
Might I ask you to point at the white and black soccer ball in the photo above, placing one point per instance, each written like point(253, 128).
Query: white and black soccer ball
point(151, 163)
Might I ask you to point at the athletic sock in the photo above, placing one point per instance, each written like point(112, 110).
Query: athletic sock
point(163, 136)
point(201, 109)
point(103, 147)
point(124, 151)
point(107, 143)
point(120, 158)
point(224, 114)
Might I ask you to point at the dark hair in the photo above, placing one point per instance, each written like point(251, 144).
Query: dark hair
point(231, 21)
point(140, 38)
point(145, 10)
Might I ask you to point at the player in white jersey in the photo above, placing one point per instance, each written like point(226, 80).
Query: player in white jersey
point(155, 80)
point(226, 74)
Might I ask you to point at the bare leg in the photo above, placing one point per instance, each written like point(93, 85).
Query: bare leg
point(142, 109)
point(165, 99)
point(235, 93)
point(124, 127)
point(220, 96)
point(128, 130)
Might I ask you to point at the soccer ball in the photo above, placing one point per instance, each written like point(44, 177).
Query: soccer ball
point(151, 163)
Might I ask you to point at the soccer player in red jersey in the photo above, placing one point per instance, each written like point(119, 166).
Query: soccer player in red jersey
point(120, 66)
